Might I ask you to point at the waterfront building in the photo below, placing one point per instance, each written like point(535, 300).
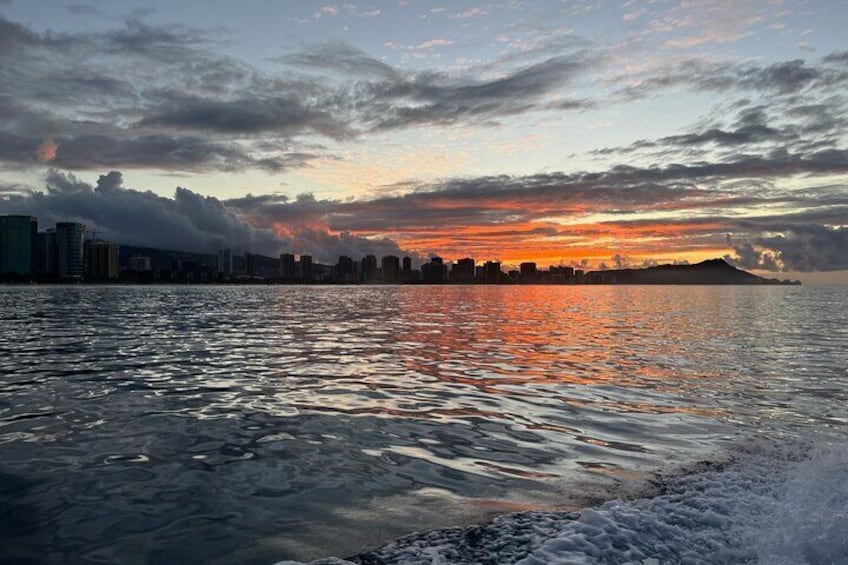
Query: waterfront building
point(101, 260)
point(463, 270)
point(17, 244)
point(46, 262)
point(435, 271)
point(288, 269)
point(306, 274)
point(69, 250)
point(225, 262)
point(529, 273)
point(493, 272)
point(369, 268)
point(239, 265)
point(561, 275)
point(390, 267)
point(345, 271)
point(407, 264)
point(140, 264)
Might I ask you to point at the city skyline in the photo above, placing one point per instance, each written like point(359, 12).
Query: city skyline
point(619, 133)
point(66, 253)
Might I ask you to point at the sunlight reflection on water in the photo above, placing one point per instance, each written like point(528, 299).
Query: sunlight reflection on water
point(159, 423)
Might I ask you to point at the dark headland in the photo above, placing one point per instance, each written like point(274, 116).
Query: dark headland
point(712, 271)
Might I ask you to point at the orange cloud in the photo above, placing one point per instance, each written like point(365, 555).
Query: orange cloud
point(46, 152)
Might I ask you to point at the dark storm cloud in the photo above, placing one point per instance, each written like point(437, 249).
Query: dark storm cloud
point(796, 247)
point(188, 221)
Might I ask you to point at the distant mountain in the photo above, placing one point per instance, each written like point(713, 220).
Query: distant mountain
point(712, 271)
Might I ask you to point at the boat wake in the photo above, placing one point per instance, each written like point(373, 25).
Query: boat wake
point(772, 501)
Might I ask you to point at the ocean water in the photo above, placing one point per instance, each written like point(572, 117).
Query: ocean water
point(236, 424)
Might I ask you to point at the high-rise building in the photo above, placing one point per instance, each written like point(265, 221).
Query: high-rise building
point(17, 244)
point(561, 275)
point(288, 268)
point(529, 273)
point(140, 264)
point(306, 268)
point(463, 270)
point(101, 260)
point(69, 250)
point(344, 269)
point(435, 271)
point(390, 266)
point(407, 264)
point(225, 262)
point(239, 265)
point(493, 272)
point(369, 268)
point(46, 262)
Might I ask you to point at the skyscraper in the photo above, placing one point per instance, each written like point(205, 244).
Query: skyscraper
point(435, 271)
point(463, 270)
point(369, 268)
point(17, 244)
point(69, 250)
point(306, 268)
point(288, 269)
point(225, 262)
point(390, 266)
point(101, 260)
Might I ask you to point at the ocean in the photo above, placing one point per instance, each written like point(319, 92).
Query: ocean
point(423, 424)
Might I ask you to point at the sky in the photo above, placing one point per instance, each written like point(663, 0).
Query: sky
point(593, 133)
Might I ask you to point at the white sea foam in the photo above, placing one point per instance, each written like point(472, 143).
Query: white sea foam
point(774, 502)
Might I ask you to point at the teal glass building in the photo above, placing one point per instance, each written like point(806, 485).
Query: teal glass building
point(17, 244)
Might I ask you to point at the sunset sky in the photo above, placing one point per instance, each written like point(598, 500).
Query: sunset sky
point(618, 133)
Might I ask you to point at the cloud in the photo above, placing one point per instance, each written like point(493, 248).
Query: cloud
point(470, 13)
point(674, 208)
point(796, 247)
point(143, 95)
point(187, 221)
point(284, 116)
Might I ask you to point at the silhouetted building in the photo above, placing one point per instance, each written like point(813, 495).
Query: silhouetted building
point(225, 262)
point(288, 267)
point(435, 271)
point(407, 264)
point(239, 265)
point(101, 260)
point(69, 250)
point(17, 244)
point(562, 275)
point(345, 271)
point(46, 262)
point(306, 268)
point(140, 264)
point(529, 274)
point(493, 272)
point(390, 267)
point(463, 270)
point(369, 268)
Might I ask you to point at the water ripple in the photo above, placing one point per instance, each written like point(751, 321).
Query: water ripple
point(186, 423)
